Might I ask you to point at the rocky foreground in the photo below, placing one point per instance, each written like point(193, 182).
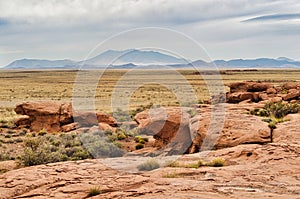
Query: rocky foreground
point(254, 167)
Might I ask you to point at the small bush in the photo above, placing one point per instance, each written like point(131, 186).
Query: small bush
point(217, 162)
point(140, 139)
point(280, 109)
point(139, 146)
point(149, 165)
point(192, 112)
point(108, 132)
point(42, 132)
point(4, 157)
point(272, 125)
point(121, 136)
point(52, 148)
point(112, 138)
point(118, 144)
point(94, 191)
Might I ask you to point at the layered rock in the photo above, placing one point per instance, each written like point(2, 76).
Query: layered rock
point(232, 128)
point(259, 91)
point(169, 126)
point(55, 116)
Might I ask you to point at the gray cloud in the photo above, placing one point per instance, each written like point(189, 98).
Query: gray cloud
point(274, 17)
point(60, 29)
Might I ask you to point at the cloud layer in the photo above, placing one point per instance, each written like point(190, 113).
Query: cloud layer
point(70, 28)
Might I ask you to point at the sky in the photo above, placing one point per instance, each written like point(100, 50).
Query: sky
point(226, 29)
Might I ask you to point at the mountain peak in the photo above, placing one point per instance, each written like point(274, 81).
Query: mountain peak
point(285, 59)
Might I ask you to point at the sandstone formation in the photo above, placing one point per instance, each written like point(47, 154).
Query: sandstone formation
point(259, 91)
point(254, 167)
point(232, 129)
point(55, 117)
point(253, 171)
point(169, 126)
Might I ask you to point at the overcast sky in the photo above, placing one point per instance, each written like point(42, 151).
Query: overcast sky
point(227, 29)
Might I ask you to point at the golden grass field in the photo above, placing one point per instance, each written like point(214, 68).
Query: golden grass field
point(17, 85)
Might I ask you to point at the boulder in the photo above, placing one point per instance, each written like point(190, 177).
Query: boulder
point(241, 96)
point(293, 94)
point(86, 118)
point(66, 113)
point(235, 129)
point(56, 116)
point(38, 108)
point(248, 87)
point(106, 127)
point(275, 99)
point(23, 121)
point(290, 85)
point(263, 96)
point(105, 118)
point(169, 127)
point(271, 91)
point(288, 132)
point(42, 115)
point(69, 127)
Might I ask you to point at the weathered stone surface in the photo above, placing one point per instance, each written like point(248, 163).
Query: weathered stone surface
point(271, 91)
point(275, 99)
point(86, 118)
point(233, 129)
point(55, 116)
point(69, 127)
point(248, 87)
point(23, 121)
point(66, 113)
point(106, 127)
point(241, 96)
point(288, 132)
point(293, 94)
point(38, 108)
point(105, 118)
point(258, 91)
point(290, 85)
point(263, 96)
point(169, 126)
point(252, 170)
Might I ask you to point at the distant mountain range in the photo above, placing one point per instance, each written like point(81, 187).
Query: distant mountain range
point(149, 59)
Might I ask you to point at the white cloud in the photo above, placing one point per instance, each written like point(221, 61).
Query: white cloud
point(68, 28)
point(134, 11)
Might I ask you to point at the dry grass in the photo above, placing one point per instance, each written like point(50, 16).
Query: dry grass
point(17, 86)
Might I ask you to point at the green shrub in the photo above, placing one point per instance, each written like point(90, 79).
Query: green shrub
point(100, 148)
point(272, 125)
point(149, 165)
point(280, 109)
point(42, 132)
point(140, 139)
point(112, 138)
point(52, 148)
point(4, 157)
point(139, 146)
point(121, 136)
point(118, 144)
point(192, 112)
point(94, 191)
point(108, 132)
point(217, 162)
point(132, 132)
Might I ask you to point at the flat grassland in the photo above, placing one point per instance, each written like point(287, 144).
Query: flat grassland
point(151, 87)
